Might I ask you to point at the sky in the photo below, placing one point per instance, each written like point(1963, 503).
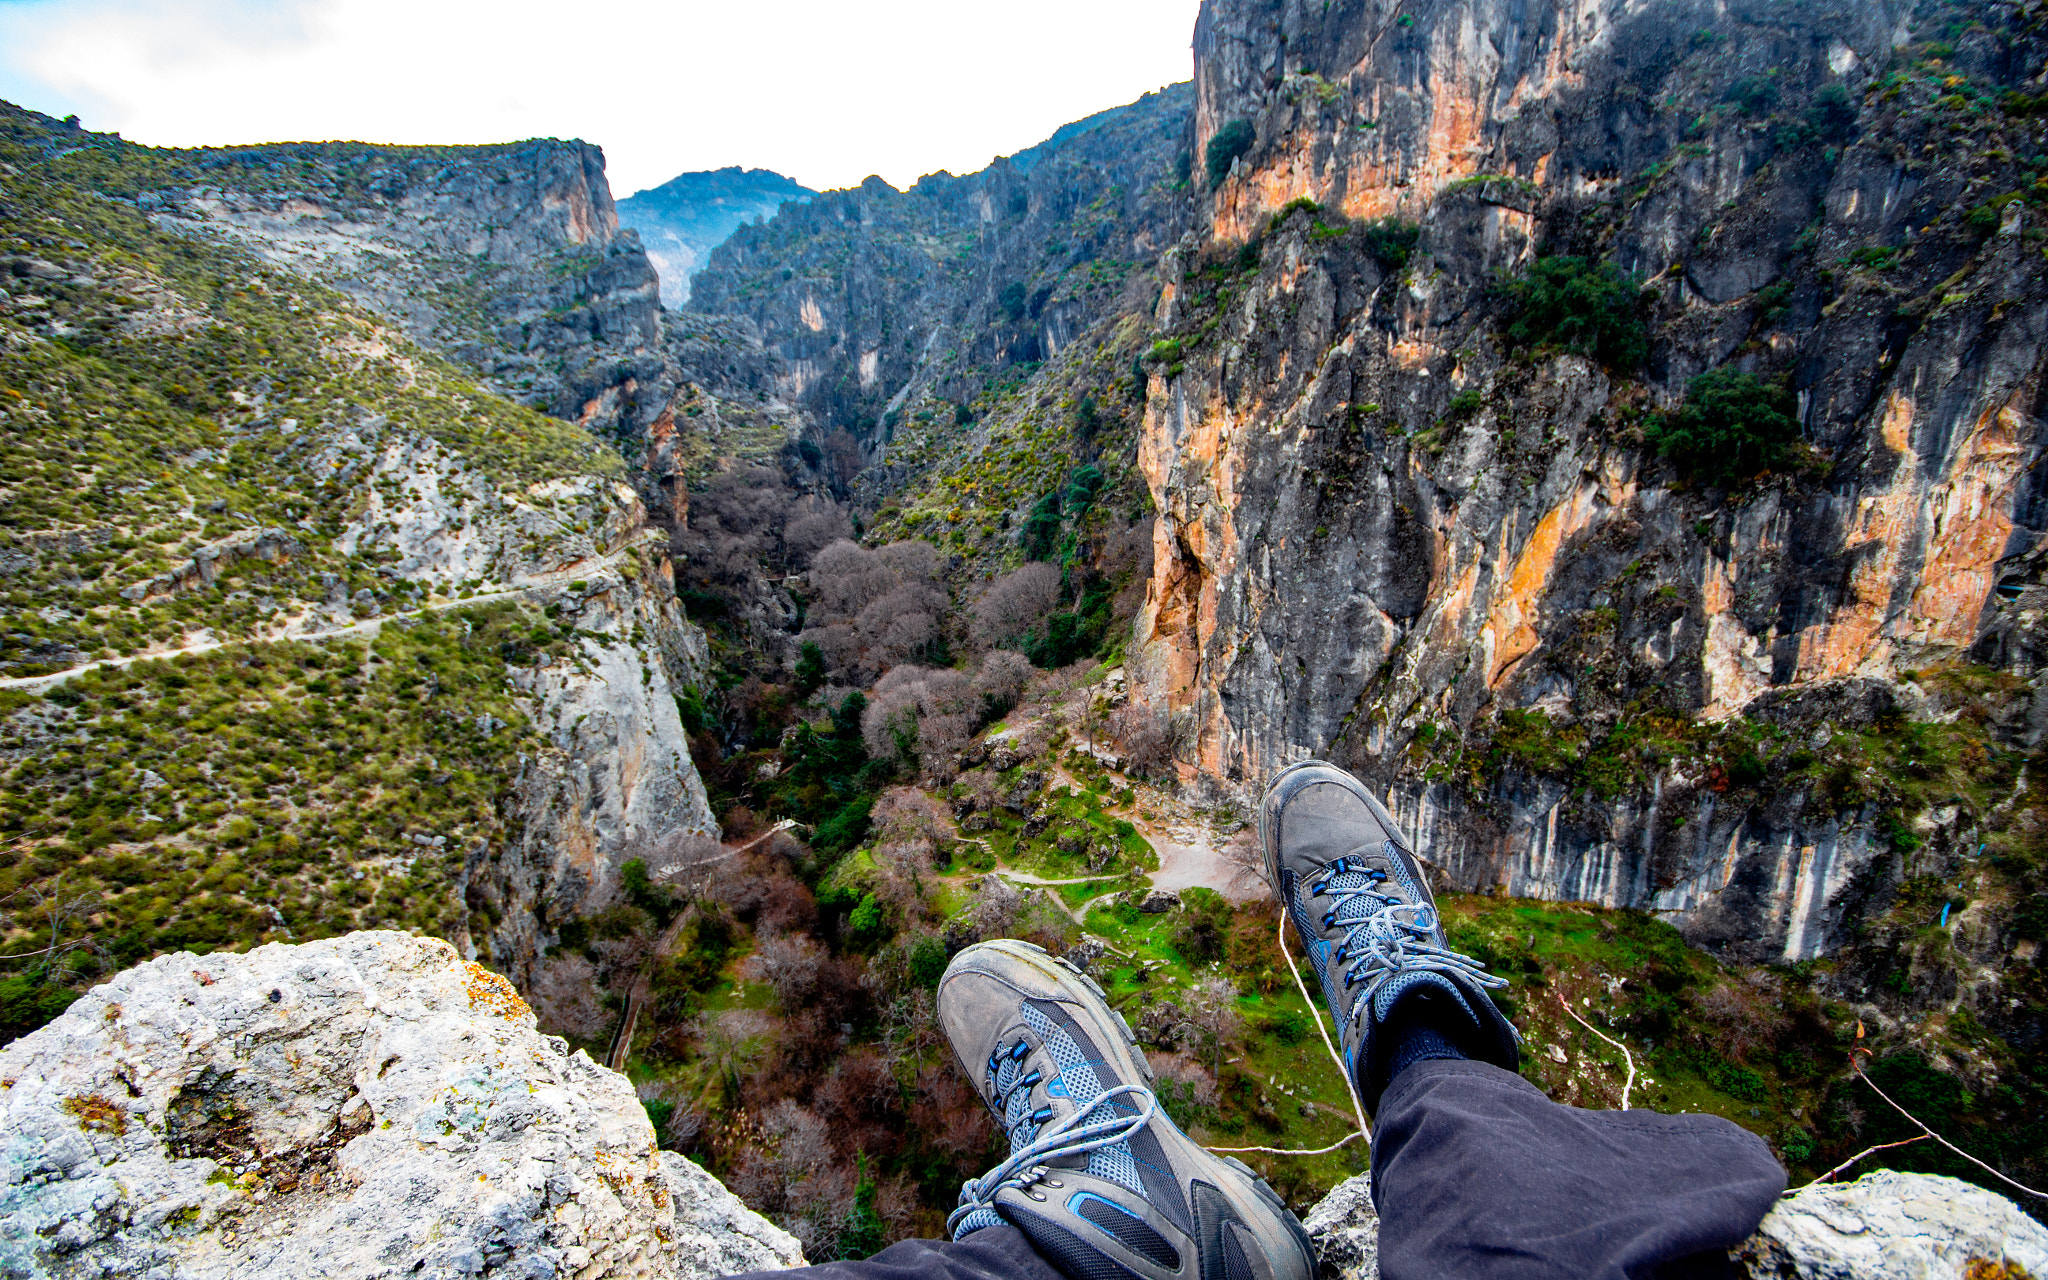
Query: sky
point(825, 92)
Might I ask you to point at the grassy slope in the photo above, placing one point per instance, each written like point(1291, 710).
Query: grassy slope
point(161, 395)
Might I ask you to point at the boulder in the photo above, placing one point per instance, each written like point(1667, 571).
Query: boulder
point(1157, 901)
point(1021, 798)
point(1346, 1231)
point(1896, 1226)
point(370, 1105)
point(1883, 1226)
point(1087, 954)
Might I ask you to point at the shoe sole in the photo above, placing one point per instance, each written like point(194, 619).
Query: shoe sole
point(1108, 1027)
point(1268, 851)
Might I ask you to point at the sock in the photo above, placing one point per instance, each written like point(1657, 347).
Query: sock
point(1420, 1042)
point(1417, 1035)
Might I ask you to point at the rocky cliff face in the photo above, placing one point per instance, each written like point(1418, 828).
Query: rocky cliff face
point(1386, 527)
point(508, 258)
point(684, 219)
point(448, 634)
point(873, 300)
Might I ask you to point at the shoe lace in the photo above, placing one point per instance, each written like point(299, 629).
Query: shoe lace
point(1383, 935)
point(1036, 1139)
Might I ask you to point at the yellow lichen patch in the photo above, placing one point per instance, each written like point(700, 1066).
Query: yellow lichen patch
point(97, 1114)
point(495, 992)
point(1986, 1269)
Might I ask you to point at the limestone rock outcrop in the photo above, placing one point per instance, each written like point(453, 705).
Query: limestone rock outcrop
point(1345, 1229)
point(369, 1105)
point(509, 258)
point(1883, 1226)
point(1896, 1226)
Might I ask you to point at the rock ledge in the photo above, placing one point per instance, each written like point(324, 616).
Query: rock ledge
point(364, 1106)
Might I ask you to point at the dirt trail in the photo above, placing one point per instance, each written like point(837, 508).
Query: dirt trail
point(1190, 851)
point(367, 627)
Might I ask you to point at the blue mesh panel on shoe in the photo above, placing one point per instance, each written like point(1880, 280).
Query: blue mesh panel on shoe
point(1139, 1165)
point(1128, 1229)
point(1070, 1255)
point(973, 1222)
point(1401, 983)
point(1236, 1266)
point(1069, 1047)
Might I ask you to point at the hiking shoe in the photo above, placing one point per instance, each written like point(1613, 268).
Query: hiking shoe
point(1098, 1178)
point(1363, 913)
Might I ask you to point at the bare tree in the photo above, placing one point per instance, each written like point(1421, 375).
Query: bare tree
point(1247, 867)
point(1142, 738)
point(59, 913)
point(922, 713)
point(1211, 1008)
point(1013, 604)
point(729, 1043)
point(789, 963)
point(906, 826)
point(1001, 679)
point(1184, 1086)
point(735, 524)
point(874, 609)
point(815, 523)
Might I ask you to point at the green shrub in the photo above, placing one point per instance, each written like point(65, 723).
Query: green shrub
point(1832, 115)
point(1231, 141)
point(1578, 305)
point(810, 671)
point(1390, 241)
point(1465, 404)
point(658, 1112)
point(1082, 486)
point(1086, 421)
point(1731, 427)
point(845, 828)
point(867, 927)
point(1042, 528)
point(1984, 220)
point(1012, 300)
point(1755, 95)
point(928, 962)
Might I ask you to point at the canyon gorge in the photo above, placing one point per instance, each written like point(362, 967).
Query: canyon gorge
point(1611, 430)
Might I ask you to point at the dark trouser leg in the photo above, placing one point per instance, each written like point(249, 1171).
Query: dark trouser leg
point(992, 1253)
point(1478, 1176)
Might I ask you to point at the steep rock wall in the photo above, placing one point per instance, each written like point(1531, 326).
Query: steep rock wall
point(870, 298)
point(508, 258)
point(1348, 563)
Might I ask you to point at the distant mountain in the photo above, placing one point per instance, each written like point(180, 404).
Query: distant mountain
point(684, 219)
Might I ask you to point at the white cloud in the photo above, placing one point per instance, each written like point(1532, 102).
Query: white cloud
point(827, 92)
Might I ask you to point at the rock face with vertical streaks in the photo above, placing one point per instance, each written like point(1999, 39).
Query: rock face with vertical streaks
point(1394, 537)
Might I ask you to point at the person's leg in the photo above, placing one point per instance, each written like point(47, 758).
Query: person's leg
point(1475, 1172)
point(997, 1253)
point(1473, 1163)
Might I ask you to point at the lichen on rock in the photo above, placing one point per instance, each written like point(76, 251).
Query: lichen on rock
point(1895, 1226)
point(362, 1106)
